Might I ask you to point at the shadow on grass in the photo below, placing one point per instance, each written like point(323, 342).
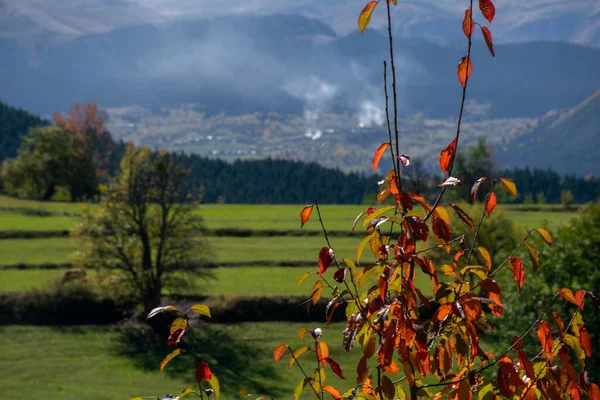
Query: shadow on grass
point(237, 364)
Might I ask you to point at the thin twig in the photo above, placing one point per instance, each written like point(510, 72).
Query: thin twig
point(301, 369)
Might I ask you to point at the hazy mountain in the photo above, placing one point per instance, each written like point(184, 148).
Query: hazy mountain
point(437, 20)
point(568, 141)
point(286, 63)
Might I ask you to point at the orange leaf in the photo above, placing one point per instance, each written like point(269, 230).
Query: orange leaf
point(442, 312)
point(317, 291)
point(487, 9)
point(369, 348)
point(447, 155)
point(335, 367)
point(509, 186)
point(490, 204)
point(487, 36)
point(468, 25)
point(568, 295)
point(585, 341)
point(545, 335)
point(365, 15)
point(305, 215)
point(279, 350)
point(464, 217)
point(169, 358)
point(333, 392)
point(322, 352)
point(580, 298)
point(465, 68)
point(526, 364)
point(545, 235)
point(378, 153)
point(516, 265)
point(594, 392)
point(297, 354)
point(324, 259)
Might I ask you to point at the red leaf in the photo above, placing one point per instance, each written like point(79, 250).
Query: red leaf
point(378, 153)
point(490, 204)
point(526, 364)
point(475, 187)
point(487, 9)
point(465, 68)
point(175, 337)
point(361, 370)
point(324, 260)
point(447, 155)
point(365, 15)
point(545, 335)
point(305, 215)
point(202, 372)
point(335, 367)
point(468, 25)
point(339, 275)
point(585, 341)
point(580, 298)
point(516, 265)
point(595, 298)
point(519, 342)
point(279, 350)
point(487, 36)
point(333, 392)
point(490, 286)
point(464, 217)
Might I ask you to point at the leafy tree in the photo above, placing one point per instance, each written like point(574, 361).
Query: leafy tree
point(92, 148)
point(45, 160)
point(142, 233)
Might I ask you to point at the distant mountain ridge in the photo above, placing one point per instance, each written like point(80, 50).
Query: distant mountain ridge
point(286, 63)
point(569, 141)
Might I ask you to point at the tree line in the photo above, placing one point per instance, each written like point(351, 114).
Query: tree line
point(70, 158)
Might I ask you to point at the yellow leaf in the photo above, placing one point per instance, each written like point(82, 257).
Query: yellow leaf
point(302, 332)
point(169, 358)
point(377, 214)
point(545, 235)
point(303, 278)
point(535, 259)
point(442, 214)
point(300, 387)
point(365, 16)
point(298, 353)
point(509, 186)
point(361, 246)
point(186, 392)
point(214, 384)
point(243, 394)
point(178, 323)
point(201, 309)
point(485, 254)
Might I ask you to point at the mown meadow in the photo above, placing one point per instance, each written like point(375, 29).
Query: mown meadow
point(256, 250)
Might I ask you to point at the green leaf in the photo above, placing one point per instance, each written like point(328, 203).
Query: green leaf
point(186, 392)
point(243, 394)
point(201, 309)
point(486, 392)
point(303, 278)
point(214, 384)
point(300, 388)
point(361, 246)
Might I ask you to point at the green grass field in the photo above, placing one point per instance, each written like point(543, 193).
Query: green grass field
point(14, 222)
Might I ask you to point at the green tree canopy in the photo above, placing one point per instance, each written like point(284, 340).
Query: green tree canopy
point(142, 233)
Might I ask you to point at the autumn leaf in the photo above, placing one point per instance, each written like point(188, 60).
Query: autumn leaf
point(487, 36)
point(279, 350)
point(303, 278)
point(487, 9)
point(490, 286)
point(333, 392)
point(388, 388)
point(568, 295)
point(214, 384)
point(509, 186)
point(203, 372)
point(317, 291)
point(544, 334)
point(464, 217)
point(178, 323)
point(475, 187)
point(533, 255)
point(526, 364)
point(446, 156)
point(298, 353)
point(365, 15)
point(369, 348)
point(159, 310)
point(335, 367)
point(168, 358)
point(201, 309)
point(339, 275)
point(361, 370)
point(585, 341)
point(325, 259)
point(490, 204)
point(516, 265)
point(175, 337)
point(465, 68)
point(468, 25)
point(322, 352)
point(378, 153)
point(305, 214)
point(545, 235)
point(485, 255)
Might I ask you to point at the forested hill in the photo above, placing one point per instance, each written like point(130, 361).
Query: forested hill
point(13, 124)
point(258, 181)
